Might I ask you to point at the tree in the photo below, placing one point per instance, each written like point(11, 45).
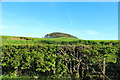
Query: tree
point(58, 34)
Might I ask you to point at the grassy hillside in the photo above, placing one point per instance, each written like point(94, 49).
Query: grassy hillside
point(61, 41)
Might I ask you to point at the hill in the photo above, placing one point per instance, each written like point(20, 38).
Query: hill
point(60, 40)
point(58, 34)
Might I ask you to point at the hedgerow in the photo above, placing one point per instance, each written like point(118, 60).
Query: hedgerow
point(60, 61)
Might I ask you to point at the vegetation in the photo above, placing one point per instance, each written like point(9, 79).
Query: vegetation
point(58, 34)
point(62, 57)
point(57, 41)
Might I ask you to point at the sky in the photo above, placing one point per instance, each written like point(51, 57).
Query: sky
point(60, 0)
point(85, 20)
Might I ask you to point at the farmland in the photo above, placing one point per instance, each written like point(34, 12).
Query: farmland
point(68, 58)
point(61, 41)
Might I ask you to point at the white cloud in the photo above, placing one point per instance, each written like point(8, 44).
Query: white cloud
point(92, 32)
point(68, 14)
point(1, 26)
point(61, 29)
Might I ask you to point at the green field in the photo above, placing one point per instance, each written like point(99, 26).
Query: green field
point(61, 41)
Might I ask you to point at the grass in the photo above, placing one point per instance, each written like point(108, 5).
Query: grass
point(61, 41)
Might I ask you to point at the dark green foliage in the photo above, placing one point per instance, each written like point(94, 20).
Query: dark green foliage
point(60, 58)
point(57, 35)
point(56, 61)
